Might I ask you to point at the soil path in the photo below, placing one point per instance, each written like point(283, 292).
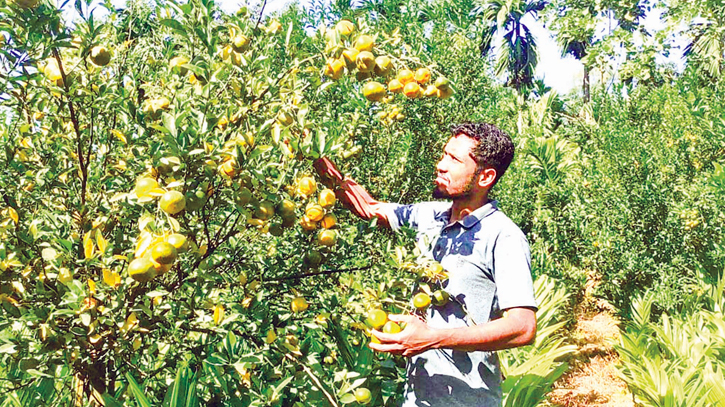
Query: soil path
point(592, 378)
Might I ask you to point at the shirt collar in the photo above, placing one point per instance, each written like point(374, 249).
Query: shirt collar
point(472, 218)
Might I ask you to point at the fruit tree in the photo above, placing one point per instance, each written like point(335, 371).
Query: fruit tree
point(161, 221)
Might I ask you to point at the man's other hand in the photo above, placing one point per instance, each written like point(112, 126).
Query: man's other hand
point(415, 338)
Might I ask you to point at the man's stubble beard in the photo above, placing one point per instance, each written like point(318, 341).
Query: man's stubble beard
point(439, 193)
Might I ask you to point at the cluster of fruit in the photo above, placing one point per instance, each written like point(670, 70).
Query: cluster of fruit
point(318, 212)
point(357, 56)
point(390, 115)
point(378, 319)
point(99, 56)
point(155, 255)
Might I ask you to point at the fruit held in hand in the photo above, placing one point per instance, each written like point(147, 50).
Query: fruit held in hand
point(376, 318)
point(391, 327)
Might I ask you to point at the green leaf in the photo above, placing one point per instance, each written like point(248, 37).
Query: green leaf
point(137, 392)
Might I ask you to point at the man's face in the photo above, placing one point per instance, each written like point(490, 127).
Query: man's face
point(457, 170)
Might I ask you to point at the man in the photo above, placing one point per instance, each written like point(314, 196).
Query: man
point(452, 353)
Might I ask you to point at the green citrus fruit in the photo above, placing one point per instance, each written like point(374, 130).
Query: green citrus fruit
point(376, 318)
point(141, 270)
point(363, 395)
point(164, 253)
point(172, 202)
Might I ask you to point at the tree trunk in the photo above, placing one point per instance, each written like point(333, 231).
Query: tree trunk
point(585, 84)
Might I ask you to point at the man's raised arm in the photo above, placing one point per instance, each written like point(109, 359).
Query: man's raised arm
point(349, 192)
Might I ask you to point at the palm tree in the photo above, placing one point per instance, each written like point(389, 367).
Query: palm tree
point(517, 54)
point(706, 21)
point(575, 29)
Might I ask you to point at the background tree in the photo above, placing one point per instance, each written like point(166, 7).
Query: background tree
point(517, 54)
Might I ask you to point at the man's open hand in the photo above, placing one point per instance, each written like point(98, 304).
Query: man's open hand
point(416, 338)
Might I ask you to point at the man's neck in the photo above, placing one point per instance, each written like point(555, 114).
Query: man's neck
point(463, 207)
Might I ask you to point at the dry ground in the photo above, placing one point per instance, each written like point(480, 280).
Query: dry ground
point(592, 379)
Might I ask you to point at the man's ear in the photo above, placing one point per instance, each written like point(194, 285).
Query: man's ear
point(487, 177)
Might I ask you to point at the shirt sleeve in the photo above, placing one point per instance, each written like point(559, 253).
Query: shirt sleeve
point(512, 272)
point(399, 215)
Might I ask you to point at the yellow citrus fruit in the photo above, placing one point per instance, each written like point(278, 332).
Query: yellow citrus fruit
point(100, 55)
point(395, 86)
point(345, 27)
point(405, 76)
point(391, 327)
point(285, 118)
point(374, 91)
point(161, 103)
point(327, 237)
point(329, 221)
point(365, 61)
point(51, 70)
point(164, 253)
point(172, 202)
point(363, 395)
point(430, 91)
point(350, 57)
point(376, 318)
point(315, 213)
point(175, 64)
point(421, 301)
point(299, 304)
point(141, 270)
point(442, 82)
point(144, 186)
point(306, 186)
point(240, 43)
point(383, 65)
point(65, 275)
point(334, 69)
point(327, 198)
point(236, 58)
point(179, 241)
point(229, 168)
point(411, 90)
point(274, 27)
point(364, 43)
point(422, 75)
point(307, 224)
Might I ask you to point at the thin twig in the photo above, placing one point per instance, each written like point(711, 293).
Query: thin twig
point(314, 379)
point(318, 273)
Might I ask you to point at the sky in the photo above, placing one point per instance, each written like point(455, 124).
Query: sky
point(563, 74)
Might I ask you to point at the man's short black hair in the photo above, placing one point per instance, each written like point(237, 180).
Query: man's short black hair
point(494, 147)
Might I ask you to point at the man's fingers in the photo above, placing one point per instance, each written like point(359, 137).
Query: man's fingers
point(385, 338)
point(389, 348)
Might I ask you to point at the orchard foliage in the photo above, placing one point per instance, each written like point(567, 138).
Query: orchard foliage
point(161, 219)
